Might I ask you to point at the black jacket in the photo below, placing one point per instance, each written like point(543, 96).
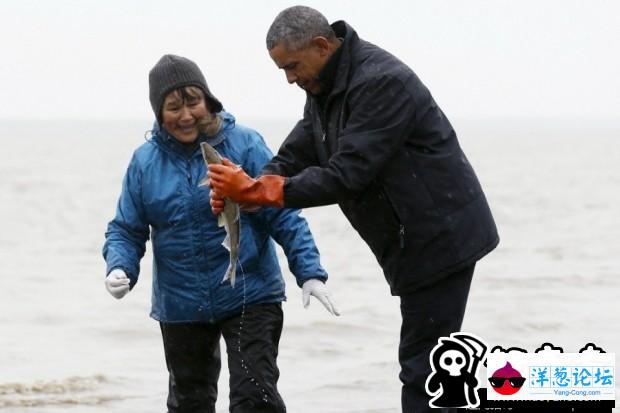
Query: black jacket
point(385, 152)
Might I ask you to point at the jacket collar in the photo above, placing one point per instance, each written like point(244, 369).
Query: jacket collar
point(346, 32)
point(327, 76)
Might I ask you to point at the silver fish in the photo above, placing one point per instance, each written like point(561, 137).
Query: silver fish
point(229, 218)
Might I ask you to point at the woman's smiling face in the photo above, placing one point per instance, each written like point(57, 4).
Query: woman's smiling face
point(182, 113)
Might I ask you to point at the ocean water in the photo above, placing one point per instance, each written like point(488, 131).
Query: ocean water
point(67, 346)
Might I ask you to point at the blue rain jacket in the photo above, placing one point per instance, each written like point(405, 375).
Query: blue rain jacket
point(160, 198)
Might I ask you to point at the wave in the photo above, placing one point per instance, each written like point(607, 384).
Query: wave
point(69, 391)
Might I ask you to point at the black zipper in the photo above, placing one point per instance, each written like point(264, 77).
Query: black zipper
point(188, 163)
point(401, 226)
point(323, 121)
point(322, 111)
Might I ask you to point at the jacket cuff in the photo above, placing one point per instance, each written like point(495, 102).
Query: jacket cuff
point(322, 278)
point(288, 194)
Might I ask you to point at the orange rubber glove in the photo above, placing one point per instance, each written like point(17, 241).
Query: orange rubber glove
point(230, 181)
point(217, 204)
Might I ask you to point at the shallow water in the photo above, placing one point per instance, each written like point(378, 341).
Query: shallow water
point(66, 345)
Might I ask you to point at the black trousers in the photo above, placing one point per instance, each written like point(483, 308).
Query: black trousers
point(193, 360)
point(428, 314)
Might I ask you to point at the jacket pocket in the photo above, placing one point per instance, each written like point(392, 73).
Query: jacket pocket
point(377, 222)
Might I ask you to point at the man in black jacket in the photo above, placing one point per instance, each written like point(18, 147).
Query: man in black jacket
point(373, 140)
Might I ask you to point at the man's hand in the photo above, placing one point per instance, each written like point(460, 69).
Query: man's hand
point(230, 181)
point(217, 202)
point(318, 289)
point(117, 283)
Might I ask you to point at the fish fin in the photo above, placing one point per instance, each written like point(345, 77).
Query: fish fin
point(204, 182)
point(226, 242)
point(231, 272)
point(221, 222)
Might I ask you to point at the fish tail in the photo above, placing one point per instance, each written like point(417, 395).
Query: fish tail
point(231, 273)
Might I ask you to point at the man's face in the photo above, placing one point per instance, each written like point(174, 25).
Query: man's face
point(301, 66)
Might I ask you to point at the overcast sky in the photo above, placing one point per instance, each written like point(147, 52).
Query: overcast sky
point(90, 59)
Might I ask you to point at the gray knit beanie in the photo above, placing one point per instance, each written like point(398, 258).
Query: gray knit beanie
point(172, 72)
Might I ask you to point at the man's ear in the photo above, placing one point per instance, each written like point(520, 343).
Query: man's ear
point(321, 44)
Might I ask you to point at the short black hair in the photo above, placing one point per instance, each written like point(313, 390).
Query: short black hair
point(296, 26)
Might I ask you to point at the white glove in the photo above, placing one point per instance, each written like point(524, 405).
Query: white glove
point(117, 283)
point(318, 289)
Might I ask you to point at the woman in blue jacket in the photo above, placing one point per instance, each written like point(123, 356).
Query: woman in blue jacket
point(161, 197)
